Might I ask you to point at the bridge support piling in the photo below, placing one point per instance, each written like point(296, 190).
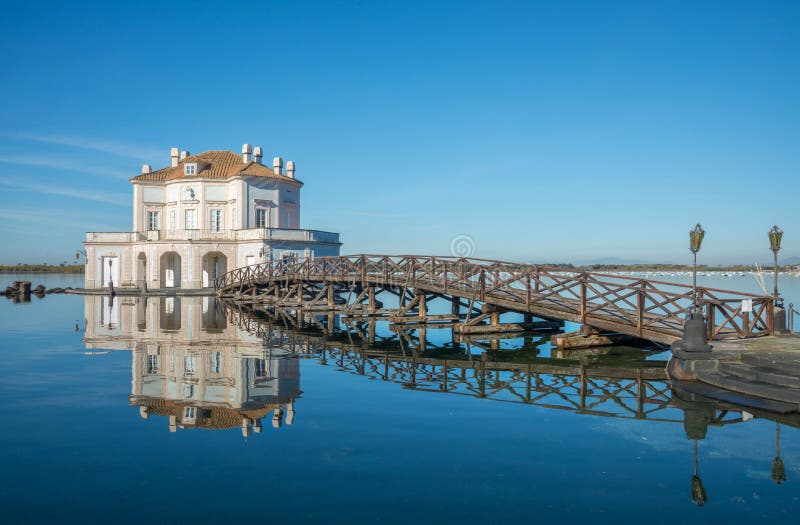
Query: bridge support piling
point(587, 337)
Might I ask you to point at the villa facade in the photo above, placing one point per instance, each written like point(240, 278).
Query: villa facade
point(204, 215)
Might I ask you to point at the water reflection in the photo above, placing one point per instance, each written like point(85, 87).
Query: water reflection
point(200, 364)
point(193, 368)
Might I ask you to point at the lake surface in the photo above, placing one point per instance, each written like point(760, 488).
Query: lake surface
point(179, 410)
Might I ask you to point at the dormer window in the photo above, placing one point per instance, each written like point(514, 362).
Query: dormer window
point(190, 169)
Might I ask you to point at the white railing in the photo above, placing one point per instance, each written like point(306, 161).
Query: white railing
point(251, 234)
point(114, 236)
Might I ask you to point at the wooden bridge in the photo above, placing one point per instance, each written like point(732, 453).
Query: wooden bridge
point(351, 285)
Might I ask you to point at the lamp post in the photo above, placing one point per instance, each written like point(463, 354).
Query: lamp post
point(696, 236)
point(775, 237)
point(110, 277)
point(694, 344)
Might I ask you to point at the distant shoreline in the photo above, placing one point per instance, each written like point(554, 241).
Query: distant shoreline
point(667, 268)
point(73, 269)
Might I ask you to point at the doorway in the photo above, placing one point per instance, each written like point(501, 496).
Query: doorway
point(110, 271)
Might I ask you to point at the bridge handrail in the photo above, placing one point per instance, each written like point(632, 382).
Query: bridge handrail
point(491, 262)
point(640, 303)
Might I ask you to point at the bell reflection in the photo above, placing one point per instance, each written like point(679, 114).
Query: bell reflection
point(193, 369)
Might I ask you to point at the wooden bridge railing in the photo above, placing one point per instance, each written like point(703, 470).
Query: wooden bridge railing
point(645, 308)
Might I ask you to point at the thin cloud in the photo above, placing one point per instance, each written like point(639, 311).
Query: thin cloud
point(63, 164)
point(121, 149)
point(356, 213)
point(67, 218)
point(89, 195)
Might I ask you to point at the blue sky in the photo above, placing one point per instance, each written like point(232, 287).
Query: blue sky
point(551, 131)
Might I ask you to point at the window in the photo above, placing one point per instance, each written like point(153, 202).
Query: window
point(191, 220)
point(216, 220)
point(191, 169)
point(261, 368)
point(261, 218)
point(189, 415)
point(188, 391)
point(290, 215)
point(216, 362)
point(152, 364)
point(189, 365)
point(153, 220)
point(172, 220)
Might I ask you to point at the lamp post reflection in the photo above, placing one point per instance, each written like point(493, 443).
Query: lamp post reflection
point(778, 469)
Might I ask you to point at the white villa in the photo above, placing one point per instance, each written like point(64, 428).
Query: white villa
point(204, 215)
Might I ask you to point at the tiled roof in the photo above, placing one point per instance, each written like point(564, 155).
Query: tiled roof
point(211, 417)
point(217, 164)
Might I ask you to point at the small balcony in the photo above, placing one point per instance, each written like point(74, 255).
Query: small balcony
point(250, 234)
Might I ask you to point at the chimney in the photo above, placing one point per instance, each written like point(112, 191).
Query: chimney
point(247, 150)
point(277, 165)
point(258, 154)
point(174, 154)
point(290, 168)
point(184, 154)
point(146, 168)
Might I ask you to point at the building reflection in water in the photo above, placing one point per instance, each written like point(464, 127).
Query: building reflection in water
point(192, 367)
point(201, 365)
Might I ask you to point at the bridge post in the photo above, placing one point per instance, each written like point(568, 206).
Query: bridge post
point(528, 384)
point(528, 291)
point(455, 306)
point(640, 307)
point(584, 386)
point(711, 320)
point(371, 331)
point(583, 297)
point(640, 394)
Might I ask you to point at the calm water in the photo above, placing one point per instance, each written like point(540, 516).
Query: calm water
point(170, 411)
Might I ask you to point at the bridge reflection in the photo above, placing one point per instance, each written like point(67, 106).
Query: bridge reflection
point(204, 365)
point(199, 364)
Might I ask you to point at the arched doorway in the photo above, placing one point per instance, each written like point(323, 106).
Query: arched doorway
point(169, 318)
point(141, 270)
point(170, 270)
point(214, 265)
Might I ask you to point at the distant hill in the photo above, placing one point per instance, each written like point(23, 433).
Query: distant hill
point(790, 260)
